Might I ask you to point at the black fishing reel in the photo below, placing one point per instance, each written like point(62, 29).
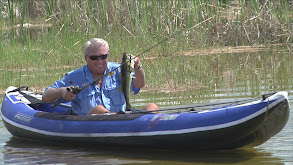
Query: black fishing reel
point(75, 89)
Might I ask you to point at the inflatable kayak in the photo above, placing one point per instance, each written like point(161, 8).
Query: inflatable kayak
point(230, 125)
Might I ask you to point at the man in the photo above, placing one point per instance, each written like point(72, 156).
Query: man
point(103, 96)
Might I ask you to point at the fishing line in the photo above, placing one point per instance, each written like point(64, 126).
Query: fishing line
point(162, 41)
point(77, 89)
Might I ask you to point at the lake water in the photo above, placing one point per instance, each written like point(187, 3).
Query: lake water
point(250, 75)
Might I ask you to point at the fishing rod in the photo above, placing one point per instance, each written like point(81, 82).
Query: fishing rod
point(76, 89)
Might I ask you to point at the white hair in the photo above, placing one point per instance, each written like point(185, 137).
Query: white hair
point(95, 43)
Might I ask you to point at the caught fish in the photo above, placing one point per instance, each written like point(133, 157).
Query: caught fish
point(126, 77)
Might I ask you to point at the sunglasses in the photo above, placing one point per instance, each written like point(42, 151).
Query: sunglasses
point(103, 57)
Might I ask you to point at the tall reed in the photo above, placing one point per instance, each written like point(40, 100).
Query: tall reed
point(28, 50)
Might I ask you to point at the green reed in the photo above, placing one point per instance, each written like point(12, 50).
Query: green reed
point(37, 56)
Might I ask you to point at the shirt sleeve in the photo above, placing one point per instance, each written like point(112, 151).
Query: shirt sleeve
point(58, 83)
point(135, 90)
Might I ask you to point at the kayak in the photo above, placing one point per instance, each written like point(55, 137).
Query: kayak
point(220, 126)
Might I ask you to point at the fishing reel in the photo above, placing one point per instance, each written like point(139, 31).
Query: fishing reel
point(75, 89)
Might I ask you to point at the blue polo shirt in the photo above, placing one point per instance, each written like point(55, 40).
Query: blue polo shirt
point(109, 95)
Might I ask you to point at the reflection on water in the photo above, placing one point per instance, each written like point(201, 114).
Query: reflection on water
point(17, 151)
point(223, 76)
point(281, 145)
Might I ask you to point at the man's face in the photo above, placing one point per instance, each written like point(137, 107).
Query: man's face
point(97, 65)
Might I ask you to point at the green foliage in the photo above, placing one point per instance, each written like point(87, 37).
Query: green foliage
point(39, 49)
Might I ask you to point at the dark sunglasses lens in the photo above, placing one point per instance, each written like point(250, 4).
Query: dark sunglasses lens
point(93, 57)
point(103, 57)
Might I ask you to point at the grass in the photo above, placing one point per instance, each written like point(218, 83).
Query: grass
point(38, 55)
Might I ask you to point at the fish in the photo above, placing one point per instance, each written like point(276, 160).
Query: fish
point(127, 66)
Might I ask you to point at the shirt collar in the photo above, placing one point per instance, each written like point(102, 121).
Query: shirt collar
point(89, 75)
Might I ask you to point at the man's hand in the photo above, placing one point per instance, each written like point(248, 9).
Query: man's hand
point(53, 94)
point(67, 94)
point(137, 63)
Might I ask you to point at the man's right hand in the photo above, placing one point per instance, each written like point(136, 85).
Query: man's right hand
point(53, 94)
point(67, 94)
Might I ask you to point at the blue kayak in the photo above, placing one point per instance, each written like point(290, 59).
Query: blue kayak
point(230, 125)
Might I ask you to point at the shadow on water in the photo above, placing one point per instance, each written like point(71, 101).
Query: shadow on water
point(19, 150)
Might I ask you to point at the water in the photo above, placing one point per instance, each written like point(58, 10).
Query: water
point(251, 77)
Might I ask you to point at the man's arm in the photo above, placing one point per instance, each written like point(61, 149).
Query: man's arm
point(139, 80)
point(53, 94)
